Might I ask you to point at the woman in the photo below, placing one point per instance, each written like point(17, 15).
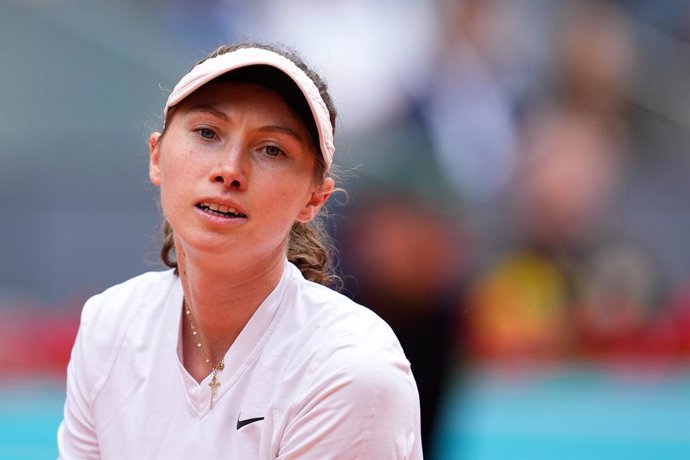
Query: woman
point(236, 352)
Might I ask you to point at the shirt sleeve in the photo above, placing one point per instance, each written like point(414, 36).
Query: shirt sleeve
point(360, 402)
point(77, 435)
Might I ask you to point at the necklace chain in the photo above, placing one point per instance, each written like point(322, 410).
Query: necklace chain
point(214, 384)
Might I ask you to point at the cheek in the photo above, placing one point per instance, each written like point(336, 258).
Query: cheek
point(168, 200)
point(177, 166)
point(176, 174)
point(295, 193)
point(283, 201)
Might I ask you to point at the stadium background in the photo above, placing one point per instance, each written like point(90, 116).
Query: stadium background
point(518, 201)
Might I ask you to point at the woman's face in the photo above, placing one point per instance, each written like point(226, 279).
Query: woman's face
point(235, 170)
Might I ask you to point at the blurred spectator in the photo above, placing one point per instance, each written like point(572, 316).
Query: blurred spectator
point(466, 108)
point(619, 312)
point(520, 305)
point(572, 282)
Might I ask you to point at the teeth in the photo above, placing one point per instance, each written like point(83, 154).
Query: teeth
point(227, 210)
point(220, 208)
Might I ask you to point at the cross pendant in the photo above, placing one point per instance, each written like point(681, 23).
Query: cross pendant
point(214, 384)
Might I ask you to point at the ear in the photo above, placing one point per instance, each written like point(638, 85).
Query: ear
point(154, 159)
point(316, 201)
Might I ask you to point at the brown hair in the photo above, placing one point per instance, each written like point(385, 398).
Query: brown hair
point(309, 246)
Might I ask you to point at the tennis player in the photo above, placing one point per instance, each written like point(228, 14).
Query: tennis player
point(239, 350)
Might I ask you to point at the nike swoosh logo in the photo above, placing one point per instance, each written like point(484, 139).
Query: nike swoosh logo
point(241, 423)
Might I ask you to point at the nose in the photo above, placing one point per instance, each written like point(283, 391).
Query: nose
point(230, 169)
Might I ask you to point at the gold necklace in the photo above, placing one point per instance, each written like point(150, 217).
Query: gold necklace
point(214, 384)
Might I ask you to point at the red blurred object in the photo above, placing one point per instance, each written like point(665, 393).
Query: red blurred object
point(36, 341)
point(679, 310)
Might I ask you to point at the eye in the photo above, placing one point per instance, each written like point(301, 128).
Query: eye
point(206, 133)
point(272, 150)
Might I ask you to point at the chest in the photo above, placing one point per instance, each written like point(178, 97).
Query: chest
point(150, 408)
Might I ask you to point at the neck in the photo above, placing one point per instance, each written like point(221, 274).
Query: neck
point(222, 297)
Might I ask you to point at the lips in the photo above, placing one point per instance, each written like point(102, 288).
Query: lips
point(220, 210)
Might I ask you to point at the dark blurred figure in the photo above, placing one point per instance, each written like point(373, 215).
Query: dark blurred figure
point(404, 258)
point(404, 254)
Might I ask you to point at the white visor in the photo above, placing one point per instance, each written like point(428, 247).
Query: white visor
point(245, 57)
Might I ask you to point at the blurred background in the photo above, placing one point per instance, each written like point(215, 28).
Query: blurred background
point(518, 203)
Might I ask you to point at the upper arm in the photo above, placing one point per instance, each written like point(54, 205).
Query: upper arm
point(358, 402)
point(77, 434)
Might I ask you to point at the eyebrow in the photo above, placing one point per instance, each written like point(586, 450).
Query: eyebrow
point(210, 110)
point(281, 129)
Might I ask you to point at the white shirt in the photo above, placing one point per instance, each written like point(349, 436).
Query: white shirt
point(323, 377)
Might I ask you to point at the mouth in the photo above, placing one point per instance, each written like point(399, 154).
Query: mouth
point(220, 210)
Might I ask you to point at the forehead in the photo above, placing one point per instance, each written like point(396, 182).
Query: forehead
point(223, 94)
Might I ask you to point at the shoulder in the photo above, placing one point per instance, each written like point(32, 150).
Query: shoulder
point(106, 320)
point(122, 299)
point(105, 316)
point(354, 392)
point(345, 340)
point(331, 317)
